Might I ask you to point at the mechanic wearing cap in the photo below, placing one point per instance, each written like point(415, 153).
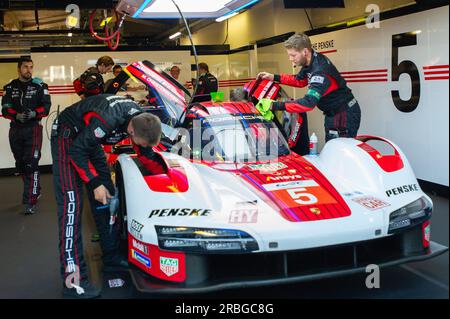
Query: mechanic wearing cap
point(91, 81)
point(327, 89)
point(78, 157)
point(207, 82)
point(25, 102)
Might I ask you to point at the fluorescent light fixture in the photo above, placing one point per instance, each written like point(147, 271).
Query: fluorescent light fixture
point(174, 36)
point(159, 6)
point(165, 9)
point(225, 17)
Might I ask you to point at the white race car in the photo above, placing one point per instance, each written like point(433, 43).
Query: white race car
point(228, 223)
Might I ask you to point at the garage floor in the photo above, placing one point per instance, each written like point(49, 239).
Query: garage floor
point(29, 260)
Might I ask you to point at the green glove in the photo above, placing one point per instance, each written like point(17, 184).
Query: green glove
point(264, 107)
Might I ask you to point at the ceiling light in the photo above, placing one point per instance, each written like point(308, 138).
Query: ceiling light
point(186, 6)
point(165, 9)
point(174, 36)
point(226, 17)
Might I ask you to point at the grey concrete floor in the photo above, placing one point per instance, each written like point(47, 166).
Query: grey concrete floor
point(30, 269)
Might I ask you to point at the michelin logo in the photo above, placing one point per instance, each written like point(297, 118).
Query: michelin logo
point(141, 258)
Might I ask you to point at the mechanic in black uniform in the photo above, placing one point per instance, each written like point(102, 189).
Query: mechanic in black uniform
point(327, 89)
point(91, 81)
point(78, 157)
point(25, 102)
point(207, 83)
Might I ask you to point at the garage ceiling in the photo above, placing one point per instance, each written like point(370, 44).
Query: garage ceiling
point(35, 24)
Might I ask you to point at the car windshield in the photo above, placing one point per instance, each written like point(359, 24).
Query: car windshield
point(237, 138)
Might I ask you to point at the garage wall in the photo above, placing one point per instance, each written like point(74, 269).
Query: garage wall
point(269, 18)
point(59, 69)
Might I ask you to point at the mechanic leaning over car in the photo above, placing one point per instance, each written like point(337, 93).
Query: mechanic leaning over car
point(78, 157)
point(327, 89)
point(25, 102)
point(91, 81)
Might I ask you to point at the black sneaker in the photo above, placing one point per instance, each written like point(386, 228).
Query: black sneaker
point(84, 291)
point(30, 209)
point(117, 264)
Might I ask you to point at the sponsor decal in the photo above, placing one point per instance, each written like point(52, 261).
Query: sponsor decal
point(318, 46)
point(180, 212)
point(371, 202)
point(99, 133)
point(315, 211)
point(314, 93)
point(133, 111)
point(317, 79)
point(136, 226)
point(136, 234)
point(402, 189)
point(352, 194)
point(135, 229)
point(35, 182)
point(268, 167)
point(69, 233)
point(243, 216)
point(264, 91)
point(169, 266)
point(140, 246)
point(284, 178)
point(116, 283)
point(232, 117)
point(288, 185)
point(141, 258)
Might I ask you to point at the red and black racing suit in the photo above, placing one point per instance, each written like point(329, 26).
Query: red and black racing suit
point(327, 90)
point(78, 157)
point(89, 83)
point(207, 83)
point(25, 139)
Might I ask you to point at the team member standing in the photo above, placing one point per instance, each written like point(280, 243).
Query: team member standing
point(207, 82)
point(25, 103)
point(91, 81)
point(327, 89)
point(78, 157)
point(175, 72)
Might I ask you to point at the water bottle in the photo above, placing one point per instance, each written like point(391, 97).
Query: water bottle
point(313, 145)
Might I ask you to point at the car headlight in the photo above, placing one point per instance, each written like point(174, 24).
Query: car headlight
point(205, 240)
point(410, 215)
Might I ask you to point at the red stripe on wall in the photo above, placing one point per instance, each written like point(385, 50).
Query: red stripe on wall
point(366, 76)
point(327, 52)
point(437, 78)
point(366, 71)
point(432, 67)
point(436, 72)
point(374, 80)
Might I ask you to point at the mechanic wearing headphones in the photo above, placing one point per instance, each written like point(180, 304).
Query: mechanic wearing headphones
point(25, 103)
point(91, 81)
point(78, 157)
point(327, 89)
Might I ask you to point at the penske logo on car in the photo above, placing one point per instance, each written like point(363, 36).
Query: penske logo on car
point(172, 212)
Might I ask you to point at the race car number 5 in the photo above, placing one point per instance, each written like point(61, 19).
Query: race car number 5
point(300, 196)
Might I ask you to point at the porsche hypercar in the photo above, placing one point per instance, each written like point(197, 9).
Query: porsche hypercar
point(237, 208)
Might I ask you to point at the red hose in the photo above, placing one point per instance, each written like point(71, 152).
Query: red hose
point(109, 37)
point(113, 48)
